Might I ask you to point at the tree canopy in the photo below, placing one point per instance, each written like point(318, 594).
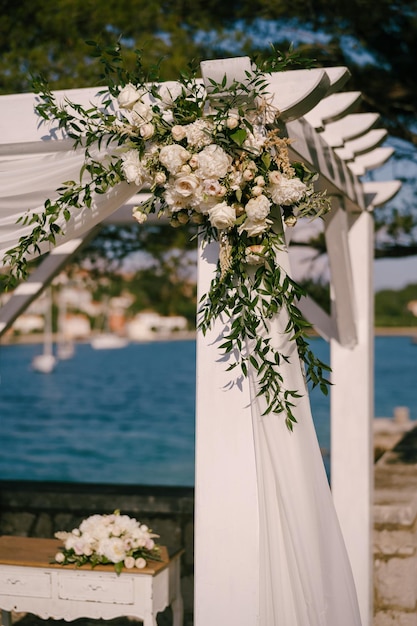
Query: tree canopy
point(376, 40)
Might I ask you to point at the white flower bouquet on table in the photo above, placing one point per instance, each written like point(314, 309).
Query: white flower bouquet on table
point(215, 157)
point(109, 539)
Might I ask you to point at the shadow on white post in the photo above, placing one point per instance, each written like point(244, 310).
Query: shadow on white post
point(352, 415)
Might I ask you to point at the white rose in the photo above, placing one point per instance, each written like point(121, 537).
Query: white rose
point(147, 130)
point(132, 168)
point(290, 220)
point(182, 217)
point(258, 208)
point(173, 157)
point(186, 186)
point(222, 216)
point(128, 96)
point(160, 178)
point(141, 113)
point(213, 162)
point(257, 191)
point(287, 191)
point(139, 215)
point(59, 557)
point(213, 188)
point(254, 255)
point(232, 121)
point(178, 132)
point(169, 92)
point(140, 563)
point(193, 162)
point(254, 227)
point(275, 177)
point(248, 175)
point(129, 562)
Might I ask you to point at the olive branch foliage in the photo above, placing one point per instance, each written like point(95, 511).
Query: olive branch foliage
point(247, 299)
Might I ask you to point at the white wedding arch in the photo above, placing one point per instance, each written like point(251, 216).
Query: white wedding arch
point(268, 546)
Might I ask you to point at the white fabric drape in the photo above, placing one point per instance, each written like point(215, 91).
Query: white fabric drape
point(27, 180)
point(305, 574)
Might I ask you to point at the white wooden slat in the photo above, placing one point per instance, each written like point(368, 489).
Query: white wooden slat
point(333, 108)
point(323, 323)
point(378, 193)
point(370, 161)
point(342, 289)
point(348, 128)
point(40, 278)
point(335, 177)
point(297, 92)
point(362, 144)
point(338, 78)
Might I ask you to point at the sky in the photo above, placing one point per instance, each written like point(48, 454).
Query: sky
point(395, 274)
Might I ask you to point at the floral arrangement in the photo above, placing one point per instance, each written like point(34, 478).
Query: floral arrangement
point(211, 156)
point(103, 539)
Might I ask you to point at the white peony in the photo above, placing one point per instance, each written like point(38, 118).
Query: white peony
point(222, 216)
point(213, 162)
point(128, 96)
point(285, 191)
point(198, 133)
point(140, 563)
point(112, 549)
point(258, 208)
point(173, 157)
point(132, 168)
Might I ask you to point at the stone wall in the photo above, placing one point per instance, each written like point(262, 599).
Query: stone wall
point(39, 509)
point(395, 535)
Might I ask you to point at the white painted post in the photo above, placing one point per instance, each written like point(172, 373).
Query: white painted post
point(352, 415)
point(226, 507)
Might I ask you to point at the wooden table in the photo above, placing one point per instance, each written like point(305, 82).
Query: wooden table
point(31, 583)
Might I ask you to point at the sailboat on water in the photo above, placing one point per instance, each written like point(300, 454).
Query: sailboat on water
point(106, 339)
point(46, 361)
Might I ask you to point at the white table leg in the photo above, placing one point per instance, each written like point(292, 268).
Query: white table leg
point(150, 620)
point(177, 611)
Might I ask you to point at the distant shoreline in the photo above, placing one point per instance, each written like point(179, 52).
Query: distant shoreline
point(386, 331)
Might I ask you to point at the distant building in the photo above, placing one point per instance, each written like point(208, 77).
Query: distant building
point(76, 326)
point(412, 307)
point(149, 325)
point(29, 323)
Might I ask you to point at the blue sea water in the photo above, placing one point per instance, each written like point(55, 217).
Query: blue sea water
point(126, 416)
